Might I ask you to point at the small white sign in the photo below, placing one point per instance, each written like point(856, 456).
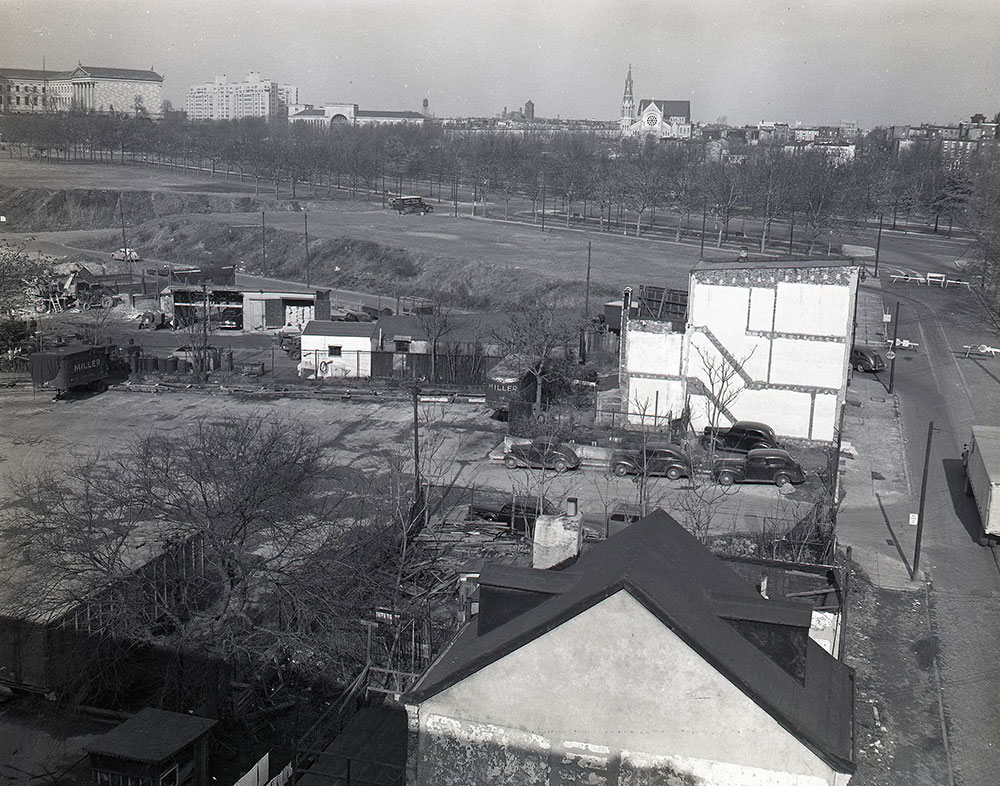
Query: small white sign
point(913, 519)
point(890, 355)
point(3, 219)
point(886, 316)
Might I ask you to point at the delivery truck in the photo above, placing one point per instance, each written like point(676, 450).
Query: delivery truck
point(70, 368)
point(982, 479)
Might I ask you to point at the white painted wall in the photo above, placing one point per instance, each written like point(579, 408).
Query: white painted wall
point(355, 357)
point(643, 692)
point(792, 340)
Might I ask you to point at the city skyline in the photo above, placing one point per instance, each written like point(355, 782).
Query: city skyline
point(895, 63)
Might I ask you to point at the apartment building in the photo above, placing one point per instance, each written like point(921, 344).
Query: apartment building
point(253, 97)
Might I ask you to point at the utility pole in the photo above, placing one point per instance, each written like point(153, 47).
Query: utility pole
point(543, 200)
point(418, 512)
point(878, 243)
point(305, 224)
point(586, 312)
point(204, 334)
point(263, 246)
point(704, 221)
point(791, 233)
point(923, 496)
point(892, 349)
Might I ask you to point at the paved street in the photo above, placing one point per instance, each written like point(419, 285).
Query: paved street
point(936, 382)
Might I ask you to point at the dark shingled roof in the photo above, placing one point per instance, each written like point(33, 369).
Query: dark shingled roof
point(151, 735)
point(320, 327)
point(669, 108)
point(694, 593)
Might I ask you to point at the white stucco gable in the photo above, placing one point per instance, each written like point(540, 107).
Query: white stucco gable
point(618, 683)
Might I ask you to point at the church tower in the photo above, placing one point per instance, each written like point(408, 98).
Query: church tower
point(628, 104)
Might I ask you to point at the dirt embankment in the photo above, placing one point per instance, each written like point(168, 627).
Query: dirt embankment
point(40, 210)
point(161, 224)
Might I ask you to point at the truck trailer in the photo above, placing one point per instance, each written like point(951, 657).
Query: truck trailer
point(71, 367)
point(982, 479)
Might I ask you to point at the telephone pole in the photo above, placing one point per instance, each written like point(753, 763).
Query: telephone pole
point(923, 496)
point(305, 223)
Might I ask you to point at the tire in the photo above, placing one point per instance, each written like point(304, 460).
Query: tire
point(983, 540)
point(673, 473)
point(726, 478)
point(621, 470)
point(107, 302)
point(781, 480)
point(858, 367)
point(510, 462)
point(560, 465)
point(296, 354)
point(41, 308)
point(324, 366)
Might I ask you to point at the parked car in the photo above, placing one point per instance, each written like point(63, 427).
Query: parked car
point(126, 255)
point(518, 511)
point(405, 205)
point(655, 458)
point(542, 453)
point(865, 359)
point(742, 436)
point(762, 465)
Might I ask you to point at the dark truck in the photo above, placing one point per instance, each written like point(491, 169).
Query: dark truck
point(741, 437)
point(71, 367)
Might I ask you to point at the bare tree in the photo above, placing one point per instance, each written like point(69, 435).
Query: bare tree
point(544, 336)
point(437, 323)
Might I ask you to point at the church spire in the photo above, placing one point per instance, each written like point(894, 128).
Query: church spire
point(628, 103)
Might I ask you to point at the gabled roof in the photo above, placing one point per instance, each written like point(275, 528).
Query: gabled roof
point(151, 735)
point(99, 72)
point(698, 597)
point(322, 327)
point(310, 113)
point(669, 108)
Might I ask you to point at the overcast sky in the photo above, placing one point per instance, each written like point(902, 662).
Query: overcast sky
point(877, 62)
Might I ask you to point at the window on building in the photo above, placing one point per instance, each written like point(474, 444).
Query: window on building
point(402, 346)
point(333, 351)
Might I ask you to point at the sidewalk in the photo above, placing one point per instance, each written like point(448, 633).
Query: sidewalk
point(874, 487)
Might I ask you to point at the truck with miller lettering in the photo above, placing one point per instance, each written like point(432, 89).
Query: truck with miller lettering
point(982, 479)
point(71, 367)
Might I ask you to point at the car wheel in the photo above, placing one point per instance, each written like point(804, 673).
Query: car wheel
point(673, 473)
point(781, 480)
point(726, 478)
point(510, 462)
point(621, 470)
point(560, 465)
point(859, 367)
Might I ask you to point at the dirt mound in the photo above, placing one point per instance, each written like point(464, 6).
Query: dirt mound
point(351, 263)
point(37, 210)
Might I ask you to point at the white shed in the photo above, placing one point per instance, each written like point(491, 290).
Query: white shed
point(337, 349)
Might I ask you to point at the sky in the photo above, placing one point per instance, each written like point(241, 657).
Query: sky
point(874, 62)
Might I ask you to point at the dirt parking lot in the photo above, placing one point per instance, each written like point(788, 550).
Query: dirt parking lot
point(456, 438)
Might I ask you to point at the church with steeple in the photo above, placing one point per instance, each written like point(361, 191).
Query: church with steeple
point(657, 118)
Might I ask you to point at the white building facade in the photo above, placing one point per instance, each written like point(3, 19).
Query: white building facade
point(84, 89)
point(253, 97)
point(765, 340)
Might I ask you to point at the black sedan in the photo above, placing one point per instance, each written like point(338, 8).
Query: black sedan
point(518, 511)
point(764, 465)
point(542, 453)
point(654, 459)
